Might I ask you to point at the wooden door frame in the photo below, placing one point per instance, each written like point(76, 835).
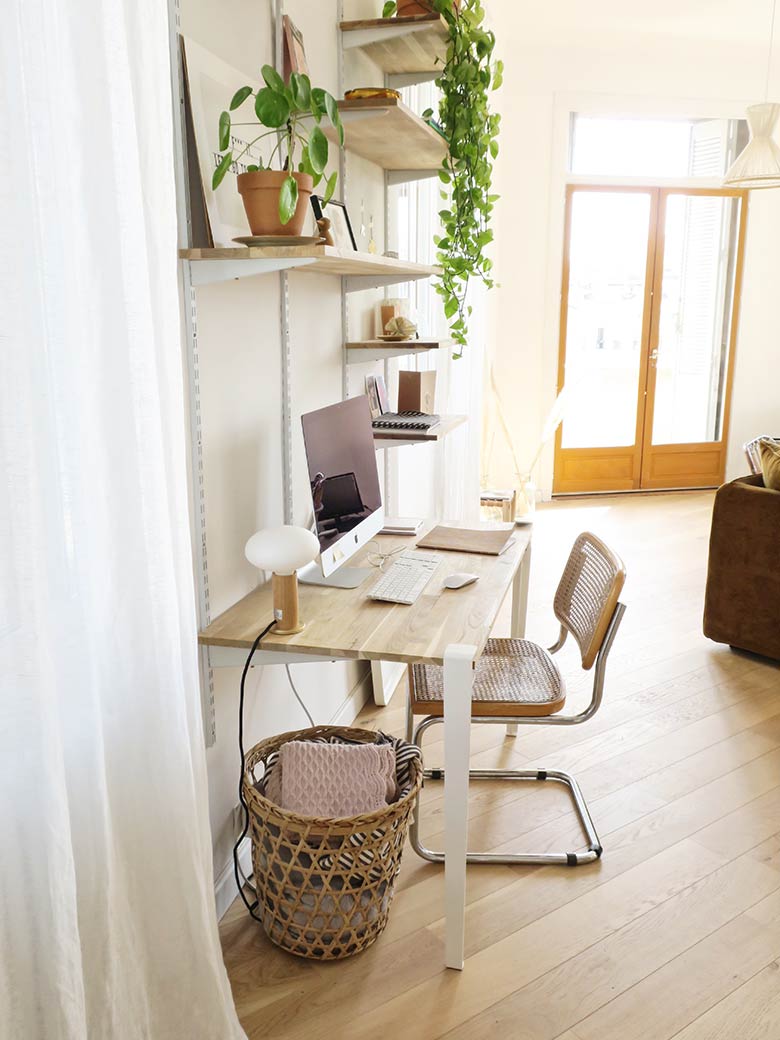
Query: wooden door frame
point(678, 457)
point(630, 454)
point(631, 480)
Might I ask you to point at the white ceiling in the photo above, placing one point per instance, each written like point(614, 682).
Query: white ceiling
point(744, 22)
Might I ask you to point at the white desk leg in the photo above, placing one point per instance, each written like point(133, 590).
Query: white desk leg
point(520, 608)
point(520, 596)
point(458, 684)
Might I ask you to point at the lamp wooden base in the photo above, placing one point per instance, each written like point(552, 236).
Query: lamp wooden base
point(285, 593)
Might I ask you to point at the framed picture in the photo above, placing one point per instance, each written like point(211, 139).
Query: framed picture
point(340, 225)
point(294, 51)
point(210, 83)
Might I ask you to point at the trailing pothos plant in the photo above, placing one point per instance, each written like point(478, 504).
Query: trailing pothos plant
point(471, 130)
point(291, 112)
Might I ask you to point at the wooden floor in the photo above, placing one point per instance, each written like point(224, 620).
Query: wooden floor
point(675, 932)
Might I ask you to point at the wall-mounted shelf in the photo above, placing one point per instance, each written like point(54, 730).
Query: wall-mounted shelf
point(415, 44)
point(361, 270)
point(379, 350)
point(386, 132)
point(397, 439)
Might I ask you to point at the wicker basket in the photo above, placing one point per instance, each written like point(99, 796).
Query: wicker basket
point(324, 886)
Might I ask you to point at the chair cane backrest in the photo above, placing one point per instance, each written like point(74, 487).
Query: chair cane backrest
point(588, 592)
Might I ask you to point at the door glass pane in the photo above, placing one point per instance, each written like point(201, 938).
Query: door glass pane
point(697, 297)
point(607, 267)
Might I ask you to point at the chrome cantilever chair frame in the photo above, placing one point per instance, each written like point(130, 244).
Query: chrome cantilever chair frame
point(572, 859)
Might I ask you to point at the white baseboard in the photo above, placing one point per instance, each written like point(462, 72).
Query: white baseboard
point(225, 889)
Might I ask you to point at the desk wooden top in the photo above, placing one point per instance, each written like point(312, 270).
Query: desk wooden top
point(345, 623)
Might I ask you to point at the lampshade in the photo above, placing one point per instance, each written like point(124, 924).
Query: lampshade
point(758, 165)
point(282, 549)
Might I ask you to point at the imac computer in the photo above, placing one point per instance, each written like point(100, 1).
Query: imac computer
point(344, 484)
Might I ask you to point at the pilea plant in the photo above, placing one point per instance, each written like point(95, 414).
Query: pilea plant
point(285, 110)
point(471, 130)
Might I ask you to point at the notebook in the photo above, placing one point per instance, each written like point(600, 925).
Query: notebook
point(488, 541)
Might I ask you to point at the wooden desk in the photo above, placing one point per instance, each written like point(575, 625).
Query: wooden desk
point(444, 627)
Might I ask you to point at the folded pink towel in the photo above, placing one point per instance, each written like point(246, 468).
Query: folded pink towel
point(333, 779)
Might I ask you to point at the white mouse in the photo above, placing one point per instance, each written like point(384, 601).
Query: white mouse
point(457, 581)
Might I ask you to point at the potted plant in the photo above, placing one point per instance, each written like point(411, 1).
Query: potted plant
point(276, 194)
point(468, 76)
point(404, 8)
point(471, 129)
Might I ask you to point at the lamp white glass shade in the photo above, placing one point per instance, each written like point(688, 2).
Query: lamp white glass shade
point(282, 549)
point(758, 164)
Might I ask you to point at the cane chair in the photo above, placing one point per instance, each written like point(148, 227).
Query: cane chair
point(518, 682)
point(752, 450)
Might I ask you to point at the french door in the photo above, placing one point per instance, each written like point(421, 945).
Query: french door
point(649, 309)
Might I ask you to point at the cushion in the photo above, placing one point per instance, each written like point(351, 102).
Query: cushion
point(770, 464)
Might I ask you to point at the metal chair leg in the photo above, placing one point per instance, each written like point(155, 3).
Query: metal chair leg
point(570, 859)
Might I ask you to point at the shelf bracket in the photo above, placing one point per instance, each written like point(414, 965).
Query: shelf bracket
point(208, 272)
point(380, 34)
point(404, 176)
point(411, 79)
point(359, 282)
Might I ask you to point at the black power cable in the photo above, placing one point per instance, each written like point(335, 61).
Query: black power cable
point(251, 907)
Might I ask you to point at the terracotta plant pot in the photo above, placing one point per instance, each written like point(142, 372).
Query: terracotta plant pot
point(409, 7)
point(259, 192)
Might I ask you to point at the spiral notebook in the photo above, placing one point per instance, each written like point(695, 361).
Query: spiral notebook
point(487, 541)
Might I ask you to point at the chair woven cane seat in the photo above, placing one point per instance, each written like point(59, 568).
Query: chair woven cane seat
point(512, 677)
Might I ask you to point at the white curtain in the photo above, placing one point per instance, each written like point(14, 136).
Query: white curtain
point(107, 923)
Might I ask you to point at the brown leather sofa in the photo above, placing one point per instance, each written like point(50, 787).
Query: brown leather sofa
point(742, 602)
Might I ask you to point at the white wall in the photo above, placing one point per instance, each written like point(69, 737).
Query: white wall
point(240, 385)
point(678, 56)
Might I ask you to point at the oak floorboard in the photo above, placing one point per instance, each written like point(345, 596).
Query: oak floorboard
point(675, 933)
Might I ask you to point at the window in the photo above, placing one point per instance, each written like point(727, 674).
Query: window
point(634, 147)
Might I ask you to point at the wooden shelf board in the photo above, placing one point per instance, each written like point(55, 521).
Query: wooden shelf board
point(224, 264)
point(379, 350)
point(387, 133)
point(416, 43)
point(396, 439)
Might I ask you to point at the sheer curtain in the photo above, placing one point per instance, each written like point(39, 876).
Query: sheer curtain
point(107, 924)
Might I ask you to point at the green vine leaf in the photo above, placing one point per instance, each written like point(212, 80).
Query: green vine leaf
point(327, 103)
point(330, 187)
point(271, 109)
point(470, 127)
point(224, 130)
point(288, 199)
point(239, 97)
point(389, 9)
point(219, 174)
point(272, 79)
point(300, 89)
point(318, 150)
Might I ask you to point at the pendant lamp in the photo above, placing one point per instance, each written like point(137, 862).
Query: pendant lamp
point(758, 165)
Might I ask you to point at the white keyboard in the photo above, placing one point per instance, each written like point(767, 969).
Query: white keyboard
point(404, 580)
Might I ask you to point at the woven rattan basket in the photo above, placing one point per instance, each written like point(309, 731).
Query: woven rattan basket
point(324, 886)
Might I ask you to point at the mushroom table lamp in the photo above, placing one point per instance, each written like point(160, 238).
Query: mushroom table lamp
point(282, 550)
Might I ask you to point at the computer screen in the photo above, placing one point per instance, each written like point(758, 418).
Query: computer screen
point(343, 478)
